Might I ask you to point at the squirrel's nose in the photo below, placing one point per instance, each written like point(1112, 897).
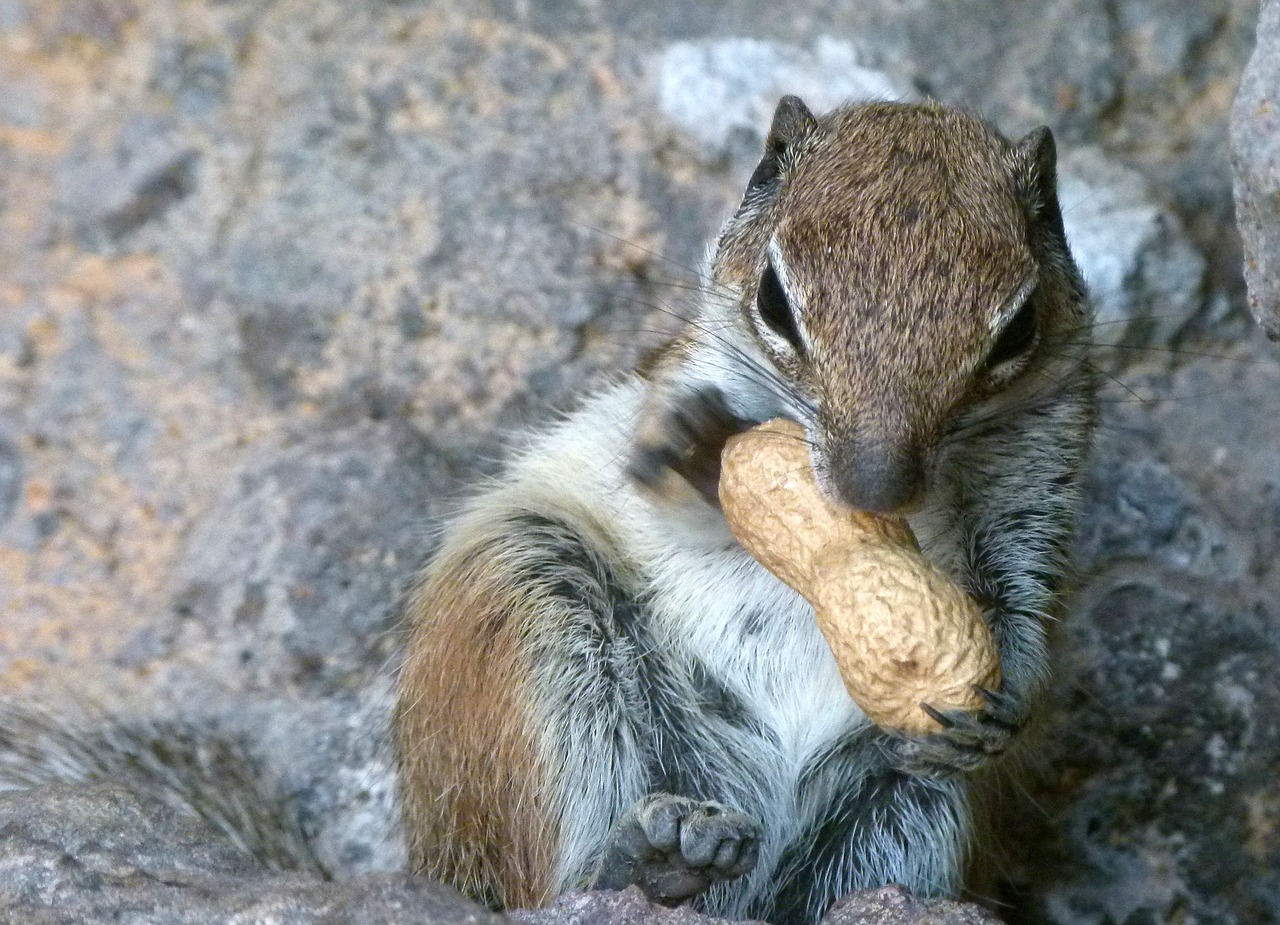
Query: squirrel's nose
point(880, 477)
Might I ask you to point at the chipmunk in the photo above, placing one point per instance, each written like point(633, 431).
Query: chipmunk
point(601, 688)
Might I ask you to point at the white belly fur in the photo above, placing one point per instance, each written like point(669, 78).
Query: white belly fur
point(704, 589)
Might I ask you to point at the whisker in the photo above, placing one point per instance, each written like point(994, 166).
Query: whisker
point(1174, 351)
point(749, 365)
point(1110, 322)
point(801, 437)
point(1116, 379)
point(692, 271)
point(998, 414)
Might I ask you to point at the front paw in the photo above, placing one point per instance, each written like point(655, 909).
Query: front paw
point(673, 848)
point(682, 444)
point(966, 741)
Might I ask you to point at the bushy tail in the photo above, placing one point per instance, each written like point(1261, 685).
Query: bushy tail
point(187, 768)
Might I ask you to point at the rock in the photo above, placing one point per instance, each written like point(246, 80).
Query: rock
point(296, 785)
point(259, 313)
point(1157, 797)
point(1255, 160)
point(269, 579)
point(10, 477)
point(333, 758)
point(110, 194)
point(105, 853)
point(280, 279)
point(1017, 64)
point(893, 905)
point(722, 92)
point(1143, 273)
point(628, 907)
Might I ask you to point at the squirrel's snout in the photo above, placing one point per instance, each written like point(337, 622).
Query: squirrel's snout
point(878, 477)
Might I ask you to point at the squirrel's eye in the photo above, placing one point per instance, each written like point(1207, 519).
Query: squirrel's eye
point(775, 310)
point(1016, 338)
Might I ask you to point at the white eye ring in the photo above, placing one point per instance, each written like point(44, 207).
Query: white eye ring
point(1017, 339)
point(775, 308)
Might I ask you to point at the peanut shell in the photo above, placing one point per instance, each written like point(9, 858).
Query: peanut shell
point(901, 631)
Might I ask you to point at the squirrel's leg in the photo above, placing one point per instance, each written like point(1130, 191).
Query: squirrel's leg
point(612, 703)
point(872, 825)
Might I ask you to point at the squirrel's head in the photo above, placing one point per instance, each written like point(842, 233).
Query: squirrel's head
point(899, 267)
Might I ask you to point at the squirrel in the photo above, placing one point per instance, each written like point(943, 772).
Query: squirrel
point(600, 688)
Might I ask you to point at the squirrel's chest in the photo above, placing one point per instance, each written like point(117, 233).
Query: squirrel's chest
point(724, 613)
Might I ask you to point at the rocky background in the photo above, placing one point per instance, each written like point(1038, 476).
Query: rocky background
point(278, 278)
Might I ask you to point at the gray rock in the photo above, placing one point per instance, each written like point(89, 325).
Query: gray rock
point(1018, 63)
point(279, 278)
point(110, 194)
point(11, 477)
point(628, 907)
point(722, 92)
point(890, 905)
point(1156, 795)
point(269, 580)
point(1255, 159)
point(1143, 512)
point(105, 853)
point(333, 757)
point(1143, 273)
point(293, 784)
point(893, 905)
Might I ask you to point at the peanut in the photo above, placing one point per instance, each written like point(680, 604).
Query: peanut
point(902, 633)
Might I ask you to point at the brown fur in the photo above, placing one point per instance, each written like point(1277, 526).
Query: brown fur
point(905, 231)
point(475, 793)
point(925, 212)
point(920, 208)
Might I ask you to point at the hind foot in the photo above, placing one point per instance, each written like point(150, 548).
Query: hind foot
point(673, 848)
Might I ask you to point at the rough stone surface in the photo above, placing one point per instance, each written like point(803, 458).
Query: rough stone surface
point(890, 905)
point(722, 92)
point(1158, 799)
point(298, 784)
point(103, 853)
point(1143, 272)
point(893, 905)
point(628, 907)
point(277, 280)
point(1255, 155)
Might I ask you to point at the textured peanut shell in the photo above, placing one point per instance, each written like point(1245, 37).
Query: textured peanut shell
point(901, 632)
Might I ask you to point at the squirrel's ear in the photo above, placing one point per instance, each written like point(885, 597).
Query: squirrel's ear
point(1039, 155)
point(792, 120)
point(1037, 166)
